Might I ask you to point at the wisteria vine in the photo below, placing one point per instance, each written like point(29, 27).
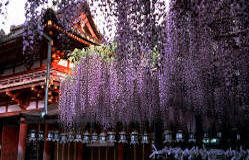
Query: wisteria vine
point(187, 77)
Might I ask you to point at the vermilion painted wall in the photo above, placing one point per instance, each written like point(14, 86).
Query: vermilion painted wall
point(9, 142)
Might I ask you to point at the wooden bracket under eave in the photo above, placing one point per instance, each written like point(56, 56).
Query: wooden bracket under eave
point(23, 102)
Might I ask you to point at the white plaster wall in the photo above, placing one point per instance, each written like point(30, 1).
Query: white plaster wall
point(13, 108)
point(71, 65)
point(2, 109)
point(63, 62)
point(31, 106)
point(41, 104)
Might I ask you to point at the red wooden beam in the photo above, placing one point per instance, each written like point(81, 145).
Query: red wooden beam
point(85, 19)
point(23, 86)
point(70, 35)
point(10, 114)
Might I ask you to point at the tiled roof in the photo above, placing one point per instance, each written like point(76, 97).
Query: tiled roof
point(15, 33)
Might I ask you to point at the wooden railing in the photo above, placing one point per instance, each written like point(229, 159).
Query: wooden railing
point(31, 77)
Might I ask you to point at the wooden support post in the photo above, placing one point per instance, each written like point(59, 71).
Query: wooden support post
point(80, 151)
point(75, 151)
point(120, 151)
point(106, 153)
point(91, 153)
point(143, 151)
point(9, 142)
point(68, 150)
point(63, 151)
point(46, 149)
point(22, 140)
point(134, 152)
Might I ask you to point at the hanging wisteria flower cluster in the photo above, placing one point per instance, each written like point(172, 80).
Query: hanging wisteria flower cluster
point(66, 12)
point(3, 11)
point(98, 92)
point(175, 58)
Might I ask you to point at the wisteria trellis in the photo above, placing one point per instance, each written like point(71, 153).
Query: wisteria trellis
point(202, 67)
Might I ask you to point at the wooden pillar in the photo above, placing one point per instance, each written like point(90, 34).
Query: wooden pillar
point(79, 151)
point(9, 142)
point(120, 151)
point(46, 149)
point(22, 140)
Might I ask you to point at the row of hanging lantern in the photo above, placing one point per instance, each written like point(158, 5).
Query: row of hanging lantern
point(110, 137)
point(168, 138)
point(87, 138)
point(217, 139)
point(33, 136)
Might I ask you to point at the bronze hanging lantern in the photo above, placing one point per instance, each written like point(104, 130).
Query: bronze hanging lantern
point(78, 138)
point(134, 138)
point(70, 137)
point(40, 136)
point(56, 137)
point(179, 136)
point(94, 137)
point(191, 138)
point(238, 137)
point(63, 138)
point(111, 137)
point(205, 139)
point(122, 138)
point(168, 137)
point(32, 136)
point(86, 138)
point(217, 139)
point(145, 138)
point(102, 138)
point(50, 136)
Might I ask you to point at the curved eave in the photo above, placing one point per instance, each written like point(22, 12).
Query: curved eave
point(84, 40)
